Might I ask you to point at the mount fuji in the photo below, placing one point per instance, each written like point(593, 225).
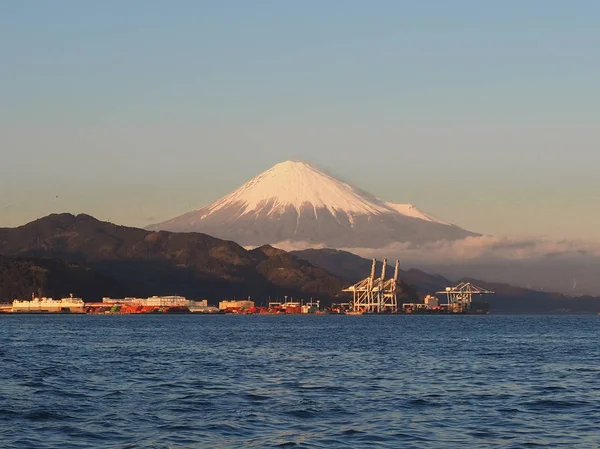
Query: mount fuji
point(297, 206)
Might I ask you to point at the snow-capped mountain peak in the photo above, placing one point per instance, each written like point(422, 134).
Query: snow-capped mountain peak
point(296, 202)
point(297, 184)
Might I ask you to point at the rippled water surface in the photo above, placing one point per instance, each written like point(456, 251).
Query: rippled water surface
point(188, 381)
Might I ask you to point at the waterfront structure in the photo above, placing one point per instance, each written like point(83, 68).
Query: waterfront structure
point(431, 302)
point(163, 301)
point(311, 307)
point(158, 301)
point(412, 307)
point(49, 305)
point(287, 306)
point(236, 305)
point(375, 295)
point(460, 297)
point(201, 307)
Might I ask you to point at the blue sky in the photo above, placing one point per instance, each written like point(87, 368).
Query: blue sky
point(485, 114)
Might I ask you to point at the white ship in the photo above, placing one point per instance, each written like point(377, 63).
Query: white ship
point(49, 305)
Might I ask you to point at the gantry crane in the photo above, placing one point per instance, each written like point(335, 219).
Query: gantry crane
point(375, 295)
point(460, 297)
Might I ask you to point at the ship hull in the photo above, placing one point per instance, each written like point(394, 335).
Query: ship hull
point(65, 310)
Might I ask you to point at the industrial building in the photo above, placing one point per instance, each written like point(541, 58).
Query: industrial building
point(158, 301)
point(236, 305)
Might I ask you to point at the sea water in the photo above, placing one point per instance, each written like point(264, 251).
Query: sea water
point(320, 381)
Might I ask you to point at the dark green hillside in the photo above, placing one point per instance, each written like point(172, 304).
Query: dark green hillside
point(22, 277)
point(157, 263)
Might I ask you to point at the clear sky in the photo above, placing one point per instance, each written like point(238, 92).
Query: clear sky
point(486, 114)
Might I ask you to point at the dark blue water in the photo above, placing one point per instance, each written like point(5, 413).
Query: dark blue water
point(299, 381)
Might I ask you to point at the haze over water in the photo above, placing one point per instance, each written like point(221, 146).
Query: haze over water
point(299, 381)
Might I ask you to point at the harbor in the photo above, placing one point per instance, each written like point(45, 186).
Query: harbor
point(372, 295)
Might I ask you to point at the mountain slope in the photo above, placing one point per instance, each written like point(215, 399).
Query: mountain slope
point(149, 263)
point(22, 277)
point(302, 206)
point(353, 268)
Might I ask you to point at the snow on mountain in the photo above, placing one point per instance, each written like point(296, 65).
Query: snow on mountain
point(296, 202)
point(295, 184)
point(411, 211)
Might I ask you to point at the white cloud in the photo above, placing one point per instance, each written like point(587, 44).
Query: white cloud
point(528, 261)
point(489, 248)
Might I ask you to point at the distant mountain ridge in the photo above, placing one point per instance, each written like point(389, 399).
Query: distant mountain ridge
point(296, 203)
point(353, 268)
point(508, 298)
point(148, 263)
point(63, 253)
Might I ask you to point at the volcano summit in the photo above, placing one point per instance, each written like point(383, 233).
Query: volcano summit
point(295, 204)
